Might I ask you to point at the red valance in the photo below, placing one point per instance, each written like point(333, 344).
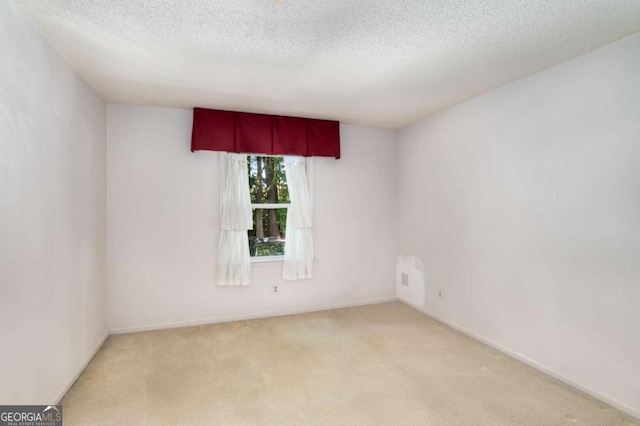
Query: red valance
point(215, 130)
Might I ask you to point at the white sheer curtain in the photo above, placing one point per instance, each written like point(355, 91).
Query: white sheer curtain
point(233, 251)
point(298, 247)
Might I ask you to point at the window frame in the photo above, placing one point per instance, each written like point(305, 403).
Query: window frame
point(309, 168)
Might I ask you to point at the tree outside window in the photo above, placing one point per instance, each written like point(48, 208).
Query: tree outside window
point(269, 202)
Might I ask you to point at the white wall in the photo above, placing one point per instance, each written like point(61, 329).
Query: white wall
point(524, 205)
point(164, 216)
point(53, 294)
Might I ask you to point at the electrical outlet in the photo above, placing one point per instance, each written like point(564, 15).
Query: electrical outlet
point(440, 294)
point(276, 289)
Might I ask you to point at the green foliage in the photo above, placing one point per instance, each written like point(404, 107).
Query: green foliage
point(267, 249)
point(260, 168)
point(268, 185)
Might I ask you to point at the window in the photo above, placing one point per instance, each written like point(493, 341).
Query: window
point(269, 204)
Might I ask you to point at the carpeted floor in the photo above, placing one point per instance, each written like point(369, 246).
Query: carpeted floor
point(373, 365)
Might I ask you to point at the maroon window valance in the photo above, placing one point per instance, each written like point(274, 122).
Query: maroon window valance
point(215, 130)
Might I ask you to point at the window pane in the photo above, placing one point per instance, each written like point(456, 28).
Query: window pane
point(267, 180)
point(267, 236)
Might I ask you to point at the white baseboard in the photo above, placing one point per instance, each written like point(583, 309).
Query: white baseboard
point(257, 315)
point(81, 369)
point(531, 363)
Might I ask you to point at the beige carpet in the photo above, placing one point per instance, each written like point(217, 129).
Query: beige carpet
point(373, 365)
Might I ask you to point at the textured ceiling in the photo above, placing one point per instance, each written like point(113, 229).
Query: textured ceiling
point(384, 63)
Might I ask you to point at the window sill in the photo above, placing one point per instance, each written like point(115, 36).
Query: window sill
point(266, 259)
